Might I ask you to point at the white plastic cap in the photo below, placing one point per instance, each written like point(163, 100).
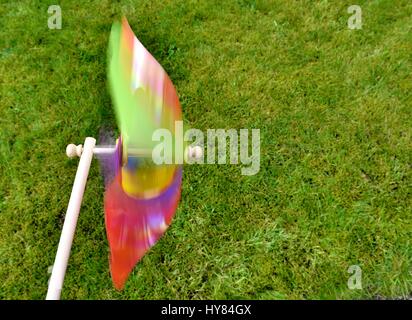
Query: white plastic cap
point(74, 151)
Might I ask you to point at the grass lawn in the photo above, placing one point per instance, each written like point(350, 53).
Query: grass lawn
point(334, 110)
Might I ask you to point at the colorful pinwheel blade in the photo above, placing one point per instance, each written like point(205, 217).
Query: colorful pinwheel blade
point(141, 197)
point(134, 225)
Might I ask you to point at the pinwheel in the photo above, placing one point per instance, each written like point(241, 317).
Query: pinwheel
point(141, 195)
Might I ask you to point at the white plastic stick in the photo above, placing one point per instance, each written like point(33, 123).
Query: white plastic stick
point(191, 153)
point(104, 150)
point(69, 227)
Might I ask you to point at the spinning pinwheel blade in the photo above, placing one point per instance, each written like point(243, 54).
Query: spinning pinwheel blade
point(141, 197)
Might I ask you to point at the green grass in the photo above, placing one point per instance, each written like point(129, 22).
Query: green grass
point(334, 109)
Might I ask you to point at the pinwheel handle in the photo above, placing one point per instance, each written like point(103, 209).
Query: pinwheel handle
point(72, 214)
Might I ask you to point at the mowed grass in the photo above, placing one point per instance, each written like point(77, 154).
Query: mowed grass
point(333, 106)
